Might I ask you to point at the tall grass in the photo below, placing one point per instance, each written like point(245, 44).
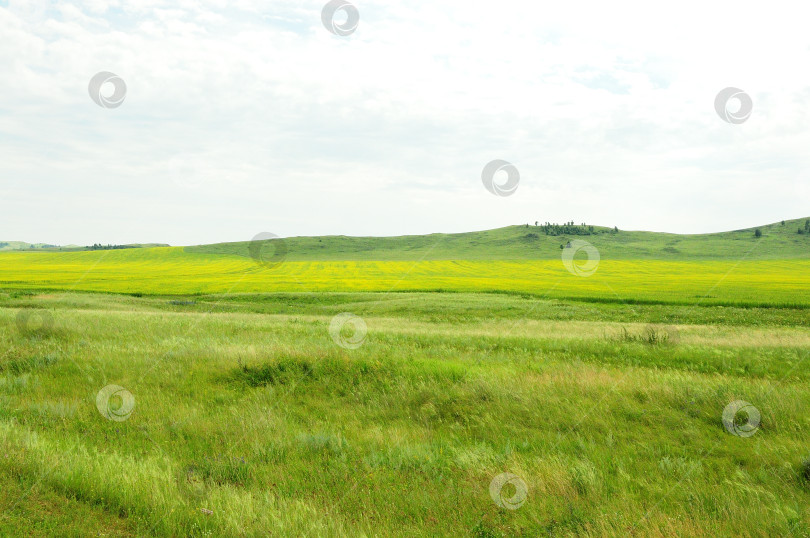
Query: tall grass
point(250, 420)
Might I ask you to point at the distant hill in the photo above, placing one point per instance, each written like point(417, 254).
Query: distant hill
point(778, 241)
point(521, 242)
point(22, 245)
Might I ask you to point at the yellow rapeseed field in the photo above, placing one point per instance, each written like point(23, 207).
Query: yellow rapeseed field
point(172, 270)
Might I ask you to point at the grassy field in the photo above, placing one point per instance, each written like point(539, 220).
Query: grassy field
point(172, 271)
point(733, 268)
point(196, 392)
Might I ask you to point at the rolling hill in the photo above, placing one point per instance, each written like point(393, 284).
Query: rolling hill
point(524, 242)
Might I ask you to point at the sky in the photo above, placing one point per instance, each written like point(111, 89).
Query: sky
point(248, 116)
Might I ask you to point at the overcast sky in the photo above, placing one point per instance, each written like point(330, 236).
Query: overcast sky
point(249, 116)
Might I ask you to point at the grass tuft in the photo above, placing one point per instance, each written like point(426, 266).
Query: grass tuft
point(653, 336)
point(804, 471)
point(280, 372)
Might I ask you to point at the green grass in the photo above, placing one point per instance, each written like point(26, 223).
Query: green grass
point(733, 269)
point(484, 355)
point(530, 243)
point(246, 408)
point(34, 511)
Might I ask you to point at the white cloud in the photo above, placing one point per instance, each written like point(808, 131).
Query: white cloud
point(249, 116)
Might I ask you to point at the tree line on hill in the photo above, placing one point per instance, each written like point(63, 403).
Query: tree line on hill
point(99, 246)
point(569, 228)
point(28, 247)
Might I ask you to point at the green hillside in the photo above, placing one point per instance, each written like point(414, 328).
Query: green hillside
point(531, 243)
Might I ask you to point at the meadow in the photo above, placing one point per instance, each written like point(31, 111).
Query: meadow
point(732, 268)
point(196, 392)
